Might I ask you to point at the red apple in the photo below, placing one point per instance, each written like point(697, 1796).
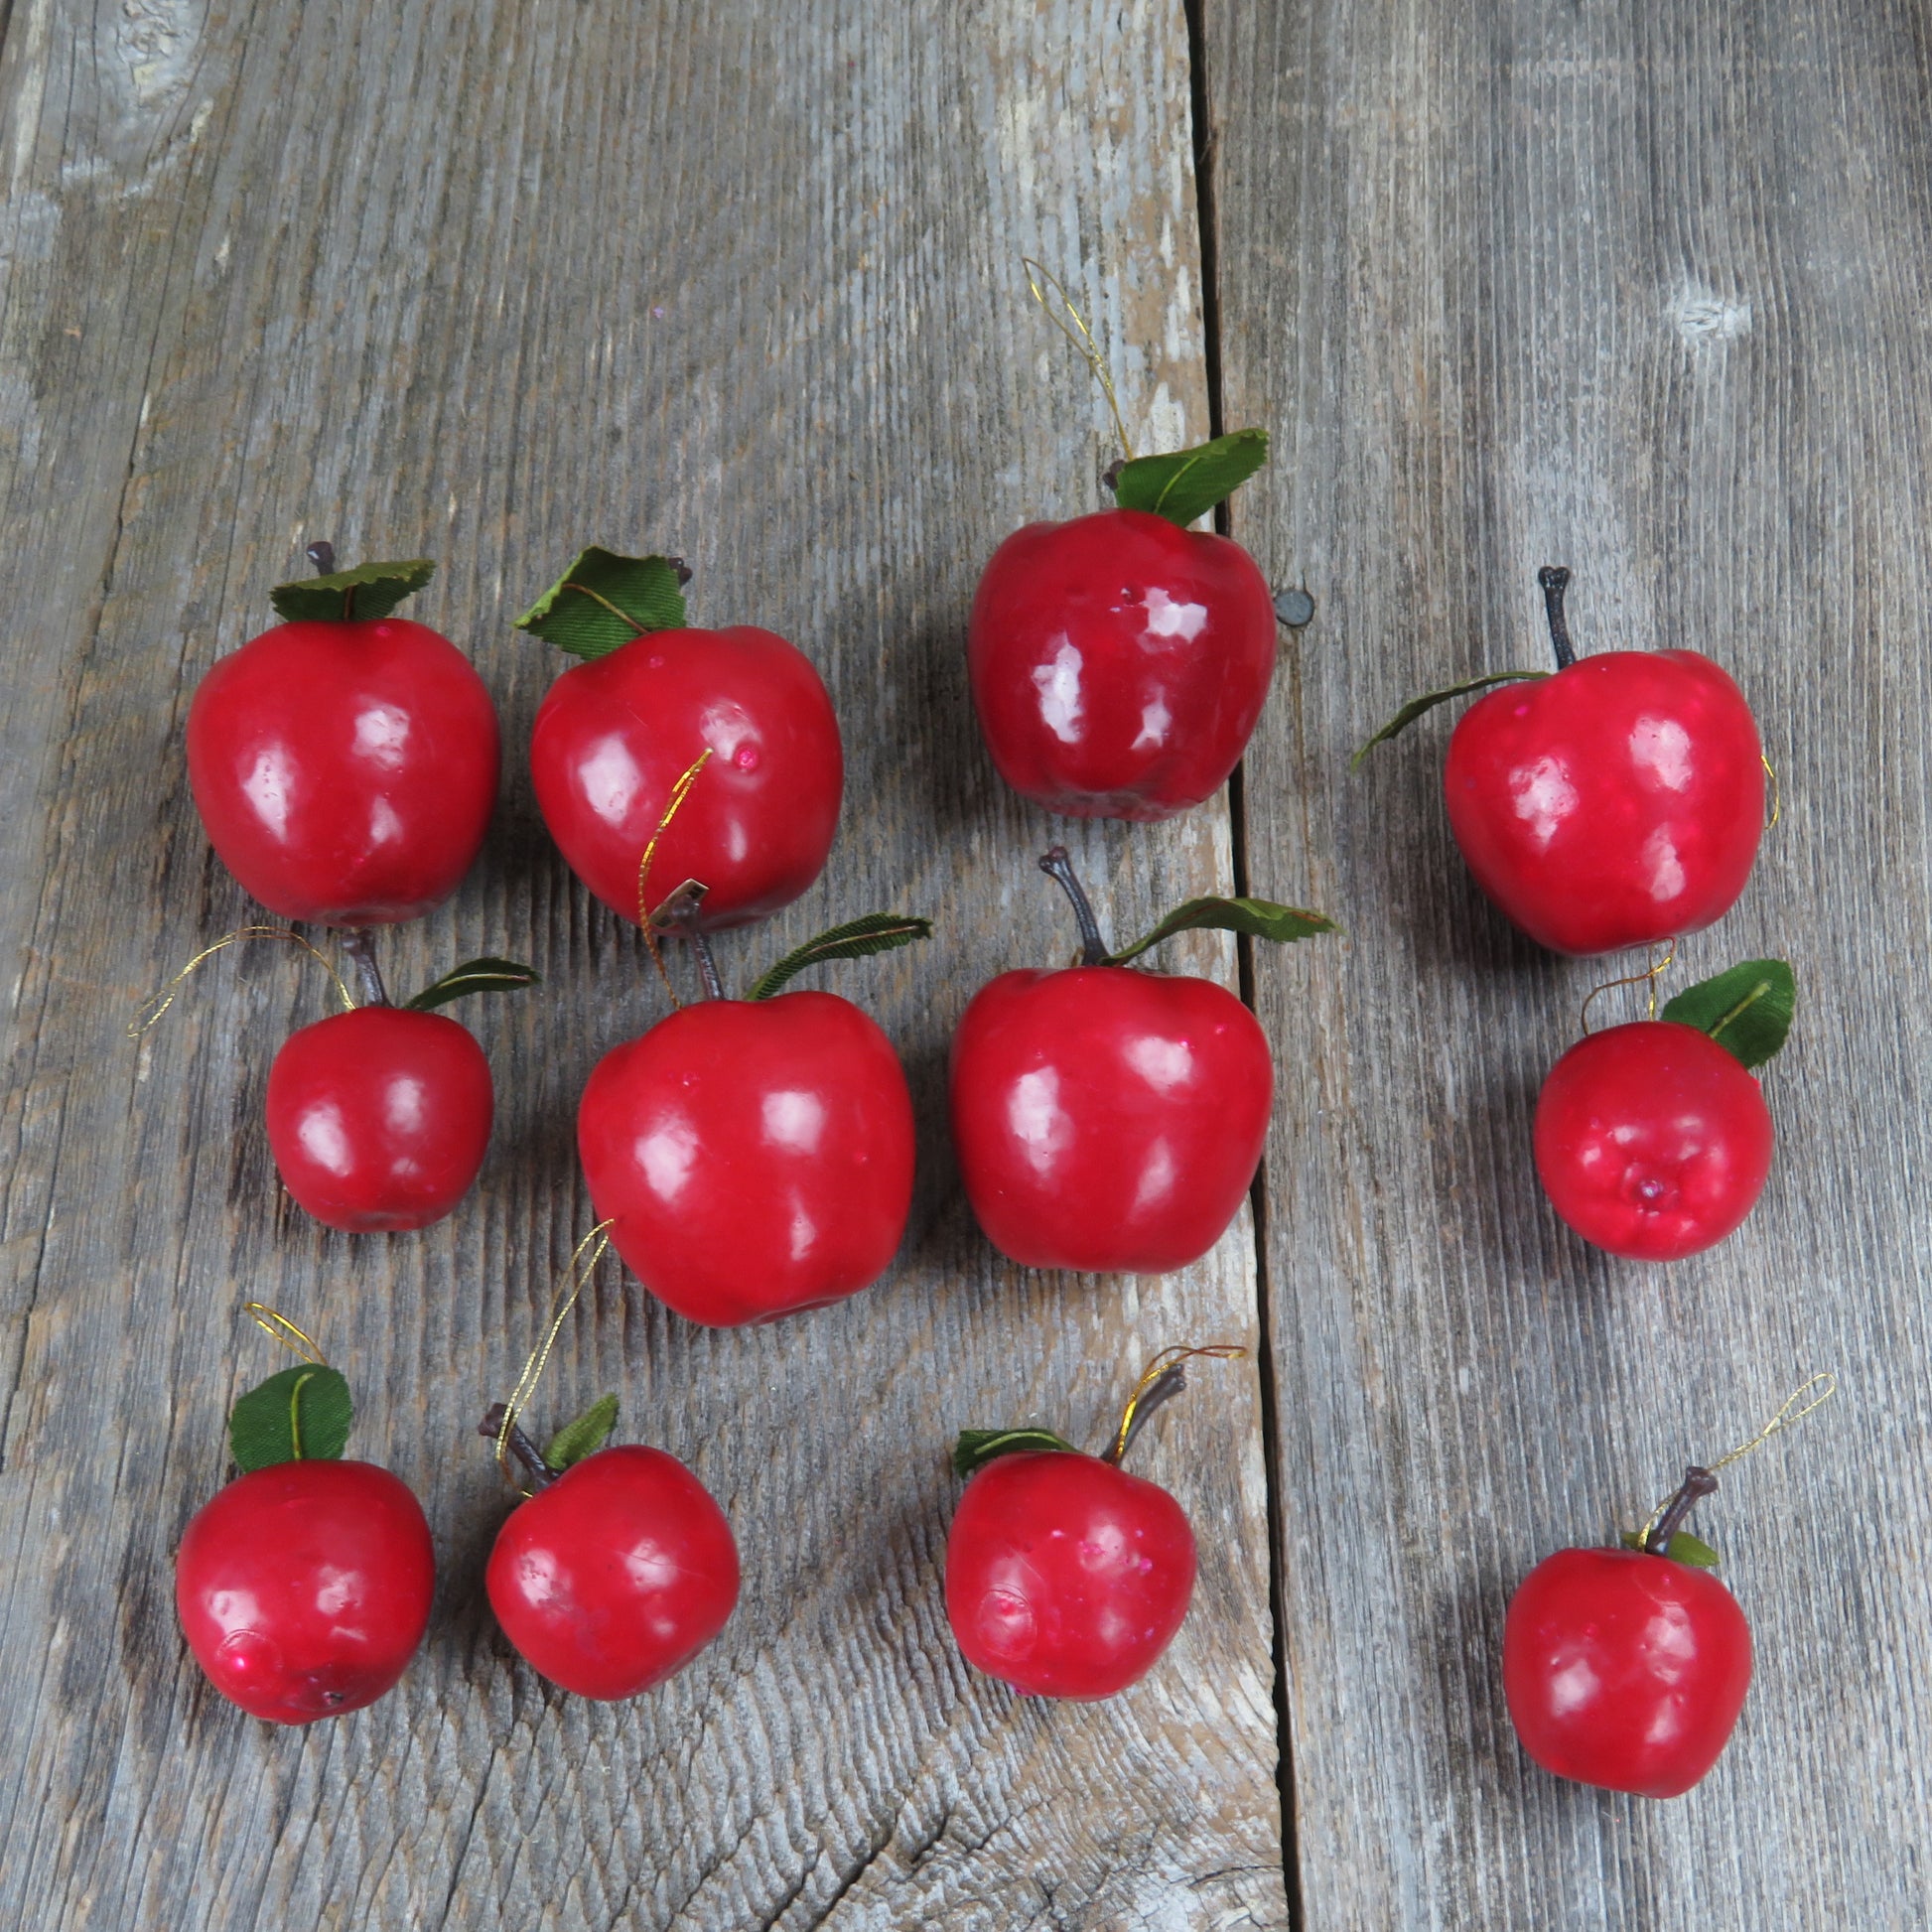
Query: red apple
point(1110, 1119)
point(303, 1587)
point(346, 765)
point(755, 1157)
point(1119, 663)
point(617, 732)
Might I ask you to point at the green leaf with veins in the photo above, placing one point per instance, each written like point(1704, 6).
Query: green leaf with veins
point(977, 1447)
point(583, 1437)
point(856, 940)
point(1747, 1011)
point(1189, 483)
point(302, 1414)
point(475, 976)
point(604, 600)
point(1258, 919)
point(1415, 707)
point(357, 596)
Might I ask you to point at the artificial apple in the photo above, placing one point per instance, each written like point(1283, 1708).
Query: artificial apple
point(619, 1570)
point(379, 1118)
point(1119, 661)
point(1066, 1576)
point(1111, 1120)
point(1626, 1668)
point(619, 732)
point(345, 763)
point(303, 1587)
point(1653, 1139)
point(755, 1157)
point(1614, 803)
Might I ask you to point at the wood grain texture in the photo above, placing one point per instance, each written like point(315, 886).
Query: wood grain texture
point(488, 281)
point(1646, 291)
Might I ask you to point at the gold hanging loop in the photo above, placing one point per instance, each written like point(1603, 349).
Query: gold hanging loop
point(1650, 973)
point(568, 1289)
point(156, 1004)
point(645, 910)
point(1062, 312)
point(277, 1326)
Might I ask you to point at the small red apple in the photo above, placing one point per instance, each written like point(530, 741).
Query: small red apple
point(619, 1570)
point(1653, 1139)
point(1066, 1576)
point(303, 1587)
point(617, 732)
point(345, 763)
point(1110, 1119)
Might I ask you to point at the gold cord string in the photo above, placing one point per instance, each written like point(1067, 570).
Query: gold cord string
point(276, 1324)
point(156, 1004)
point(1220, 1351)
point(1777, 799)
point(645, 910)
point(1080, 335)
point(568, 1290)
point(1650, 973)
point(1788, 1414)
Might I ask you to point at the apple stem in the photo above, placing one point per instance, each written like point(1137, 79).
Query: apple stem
point(1697, 1484)
point(679, 915)
point(1162, 1389)
point(361, 948)
point(1555, 580)
point(1060, 868)
point(526, 1452)
point(321, 553)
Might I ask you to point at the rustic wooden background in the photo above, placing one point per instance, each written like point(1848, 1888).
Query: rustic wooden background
point(1641, 289)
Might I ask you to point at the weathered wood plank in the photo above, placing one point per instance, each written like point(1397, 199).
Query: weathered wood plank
point(487, 281)
point(1642, 290)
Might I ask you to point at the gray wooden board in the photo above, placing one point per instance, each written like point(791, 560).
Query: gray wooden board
point(1642, 290)
point(485, 282)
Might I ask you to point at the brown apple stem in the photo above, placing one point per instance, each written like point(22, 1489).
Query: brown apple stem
point(321, 553)
point(361, 948)
point(519, 1446)
point(679, 915)
point(1555, 580)
point(1697, 1484)
point(1162, 1389)
point(1060, 868)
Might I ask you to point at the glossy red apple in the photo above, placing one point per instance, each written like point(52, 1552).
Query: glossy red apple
point(346, 767)
point(303, 1587)
point(1627, 1669)
point(379, 1119)
point(1105, 1119)
point(1652, 1141)
point(615, 1574)
point(1066, 1576)
point(1615, 804)
point(1119, 662)
point(617, 732)
point(755, 1157)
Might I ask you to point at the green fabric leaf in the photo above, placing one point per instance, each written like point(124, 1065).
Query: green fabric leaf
point(977, 1447)
point(1682, 1548)
point(475, 976)
point(1259, 919)
point(357, 596)
point(1415, 707)
point(584, 1436)
point(1747, 1011)
point(302, 1414)
point(876, 933)
point(603, 601)
point(1190, 482)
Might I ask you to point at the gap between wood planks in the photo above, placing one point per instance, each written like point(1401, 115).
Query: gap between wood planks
point(1205, 147)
